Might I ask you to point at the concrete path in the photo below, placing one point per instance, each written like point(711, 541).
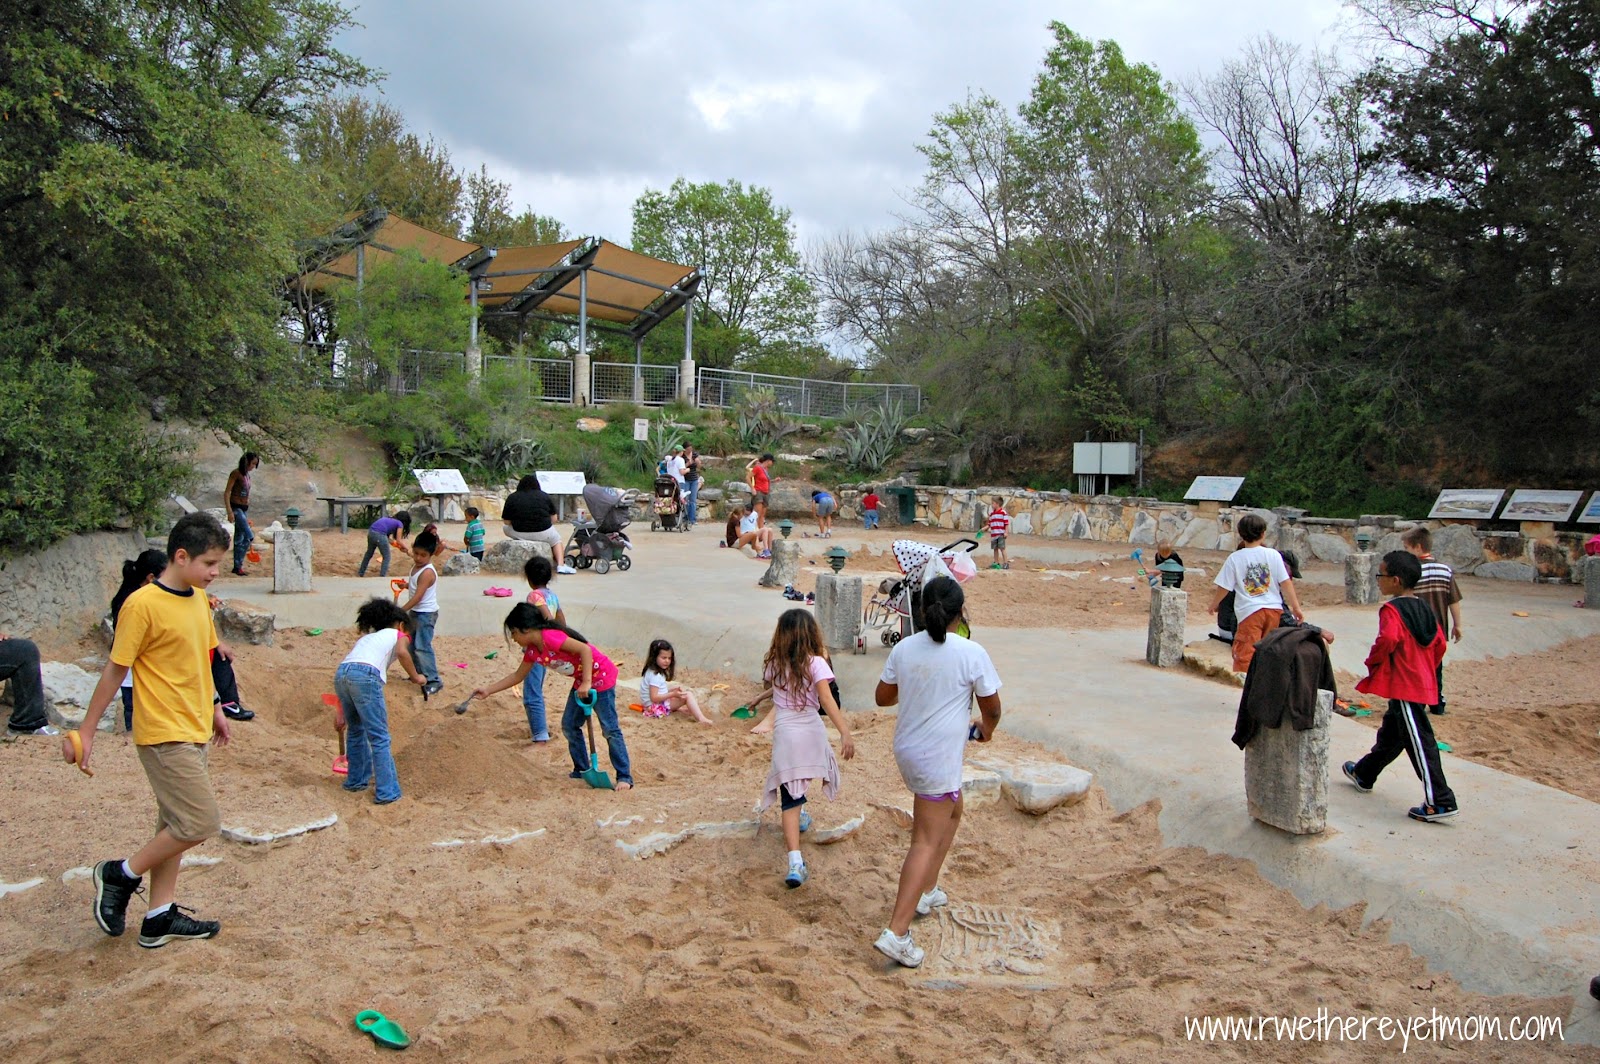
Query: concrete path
point(1504, 897)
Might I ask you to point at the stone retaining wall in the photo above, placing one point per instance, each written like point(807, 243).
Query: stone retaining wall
point(66, 587)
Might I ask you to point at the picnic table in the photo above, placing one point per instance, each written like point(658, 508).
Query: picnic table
point(344, 502)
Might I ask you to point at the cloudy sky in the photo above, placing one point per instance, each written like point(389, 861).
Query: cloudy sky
point(582, 106)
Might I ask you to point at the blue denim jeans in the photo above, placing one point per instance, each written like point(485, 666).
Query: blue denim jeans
point(375, 543)
point(869, 519)
point(693, 496)
point(422, 645)
point(533, 703)
point(605, 707)
point(242, 537)
point(366, 736)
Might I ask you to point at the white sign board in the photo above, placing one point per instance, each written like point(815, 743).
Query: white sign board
point(1116, 459)
point(1528, 505)
point(641, 429)
point(1214, 489)
point(561, 483)
point(1591, 513)
point(1467, 504)
point(440, 481)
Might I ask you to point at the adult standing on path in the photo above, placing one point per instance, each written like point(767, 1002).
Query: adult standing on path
point(691, 481)
point(236, 493)
point(529, 514)
point(761, 487)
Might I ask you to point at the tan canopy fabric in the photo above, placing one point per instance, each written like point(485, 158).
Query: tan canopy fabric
point(393, 234)
point(514, 269)
point(617, 292)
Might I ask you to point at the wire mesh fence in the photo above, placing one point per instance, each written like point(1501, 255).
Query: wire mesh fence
point(552, 377)
point(803, 397)
point(412, 371)
point(615, 382)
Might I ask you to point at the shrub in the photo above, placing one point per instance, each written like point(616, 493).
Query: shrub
point(872, 441)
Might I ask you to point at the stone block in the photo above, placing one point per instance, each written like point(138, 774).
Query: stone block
point(1035, 786)
point(1507, 571)
point(1458, 546)
point(838, 609)
point(1551, 561)
point(1203, 533)
point(225, 519)
point(785, 564)
point(1328, 547)
point(1591, 582)
point(1296, 539)
point(979, 786)
point(422, 515)
point(1505, 546)
point(1144, 529)
point(239, 623)
point(1169, 526)
point(460, 564)
point(67, 690)
point(510, 555)
point(1387, 542)
point(1169, 611)
point(291, 562)
point(1286, 774)
point(1078, 526)
point(1361, 579)
point(591, 424)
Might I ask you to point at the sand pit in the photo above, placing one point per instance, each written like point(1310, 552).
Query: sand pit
point(1069, 934)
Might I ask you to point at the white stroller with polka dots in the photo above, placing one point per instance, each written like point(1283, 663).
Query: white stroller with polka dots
point(895, 610)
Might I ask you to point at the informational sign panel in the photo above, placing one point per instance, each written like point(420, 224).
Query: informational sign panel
point(441, 481)
point(1591, 513)
point(1467, 504)
point(558, 483)
point(641, 429)
point(1530, 505)
point(1214, 489)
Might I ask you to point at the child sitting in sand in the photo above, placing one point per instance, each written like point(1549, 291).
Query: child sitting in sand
point(359, 683)
point(549, 643)
point(796, 667)
point(658, 698)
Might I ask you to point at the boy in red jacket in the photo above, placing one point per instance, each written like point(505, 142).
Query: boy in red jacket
point(1403, 667)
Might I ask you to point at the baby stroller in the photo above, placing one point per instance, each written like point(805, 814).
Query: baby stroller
point(598, 540)
point(667, 508)
point(895, 611)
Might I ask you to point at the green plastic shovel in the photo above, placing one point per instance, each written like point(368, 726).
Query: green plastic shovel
point(743, 713)
point(593, 775)
point(383, 1030)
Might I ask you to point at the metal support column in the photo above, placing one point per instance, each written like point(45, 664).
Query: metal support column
point(638, 370)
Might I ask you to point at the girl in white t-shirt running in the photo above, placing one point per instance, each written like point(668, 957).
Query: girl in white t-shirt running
point(359, 684)
point(660, 696)
point(933, 675)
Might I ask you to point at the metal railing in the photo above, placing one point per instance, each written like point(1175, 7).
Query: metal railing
point(412, 371)
point(800, 396)
point(614, 382)
point(553, 376)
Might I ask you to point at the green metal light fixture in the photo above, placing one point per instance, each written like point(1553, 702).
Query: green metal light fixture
point(292, 518)
point(1363, 541)
point(786, 526)
point(836, 557)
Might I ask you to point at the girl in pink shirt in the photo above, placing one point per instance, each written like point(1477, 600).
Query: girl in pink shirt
point(547, 642)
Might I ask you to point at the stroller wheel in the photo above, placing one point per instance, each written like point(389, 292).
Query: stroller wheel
point(602, 565)
point(624, 563)
point(890, 638)
point(584, 562)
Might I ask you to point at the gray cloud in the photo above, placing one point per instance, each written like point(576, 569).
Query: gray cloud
point(583, 106)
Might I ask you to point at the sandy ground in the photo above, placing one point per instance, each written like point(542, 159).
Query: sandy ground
point(1073, 933)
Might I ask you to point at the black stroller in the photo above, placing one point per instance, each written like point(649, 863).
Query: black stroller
point(667, 507)
point(598, 540)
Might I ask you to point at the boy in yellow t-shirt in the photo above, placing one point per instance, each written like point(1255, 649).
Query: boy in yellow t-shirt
point(165, 635)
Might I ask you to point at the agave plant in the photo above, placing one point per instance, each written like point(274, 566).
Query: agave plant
point(872, 441)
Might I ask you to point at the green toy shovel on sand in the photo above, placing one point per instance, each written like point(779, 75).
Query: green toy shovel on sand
point(743, 713)
point(383, 1030)
point(593, 775)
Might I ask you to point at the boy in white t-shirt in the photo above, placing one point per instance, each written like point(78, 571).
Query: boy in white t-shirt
point(1261, 584)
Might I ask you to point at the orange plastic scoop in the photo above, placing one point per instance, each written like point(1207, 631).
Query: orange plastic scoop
point(72, 752)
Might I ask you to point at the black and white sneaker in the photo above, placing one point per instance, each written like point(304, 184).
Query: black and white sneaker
point(112, 892)
point(234, 711)
point(1431, 814)
point(1349, 768)
point(174, 924)
point(433, 687)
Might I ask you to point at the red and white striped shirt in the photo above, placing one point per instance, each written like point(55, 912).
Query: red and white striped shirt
point(999, 522)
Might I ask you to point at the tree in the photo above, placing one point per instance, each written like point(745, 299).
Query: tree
point(405, 303)
point(487, 209)
point(754, 289)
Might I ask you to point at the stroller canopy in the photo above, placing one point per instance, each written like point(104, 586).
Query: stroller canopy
point(606, 507)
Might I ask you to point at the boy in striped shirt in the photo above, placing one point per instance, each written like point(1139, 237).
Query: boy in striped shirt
point(999, 528)
point(1438, 589)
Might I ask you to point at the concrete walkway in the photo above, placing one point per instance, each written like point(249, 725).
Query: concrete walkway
point(1504, 897)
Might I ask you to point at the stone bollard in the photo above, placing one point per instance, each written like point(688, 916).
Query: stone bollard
point(1591, 582)
point(291, 561)
point(1361, 579)
point(838, 610)
point(785, 564)
point(1169, 611)
point(1286, 774)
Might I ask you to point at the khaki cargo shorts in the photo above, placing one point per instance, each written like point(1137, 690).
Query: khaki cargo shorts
point(181, 782)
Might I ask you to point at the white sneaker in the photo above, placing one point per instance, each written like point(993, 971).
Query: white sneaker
point(931, 901)
point(900, 950)
point(565, 570)
point(43, 729)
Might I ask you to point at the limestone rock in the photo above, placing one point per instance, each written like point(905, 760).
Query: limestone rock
point(238, 622)
point(1591, 582)
point(1169, 526)
point(1169, 611)
point(291, 562)
point(1361, 579)
point(1144, 529)
point(979, 786)
point(1507, 571)
point(224, 519)
point(591, 424)
point(827, 836)
point(262, 836)
point(828, 454)
point(1203, 533)
point(785, 564)
point(1387, 542)
point(1329, 548)
point(266, 535)
point(1037, 786)
point(915, 435)
point(67, 690)
point(1459, 547)
point(838, 609)
point(1294, 538)
point(1078, 526)
point(510, 555)
point(460, 564)
point(1286, 774)
point(422, 515)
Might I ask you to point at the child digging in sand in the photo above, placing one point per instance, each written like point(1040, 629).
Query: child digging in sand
point(797, 669)
point(549, 643)
point(660, 662)
point(933, 675)
point(165, 635)
point(359, 683)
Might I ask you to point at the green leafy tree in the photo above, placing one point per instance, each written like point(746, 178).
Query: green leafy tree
point(490, 221)
point(755, 290)
point(406, 303)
